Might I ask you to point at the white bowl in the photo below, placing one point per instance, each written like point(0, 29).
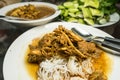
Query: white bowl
point(30, 23)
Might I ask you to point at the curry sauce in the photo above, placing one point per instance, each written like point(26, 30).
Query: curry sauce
point(31, 12)
point(103, 63)
point(31, 68)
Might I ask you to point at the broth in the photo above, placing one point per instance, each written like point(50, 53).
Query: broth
point(103, 63)
point(31, 12)
point(31, 68)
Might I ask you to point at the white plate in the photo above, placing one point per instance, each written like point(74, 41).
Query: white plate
point(114, 18)
point(14, 67)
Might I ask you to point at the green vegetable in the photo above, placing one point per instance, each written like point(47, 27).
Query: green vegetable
point(72, 14)
point(73, 10)
point(61, 7)
point(89, 21)
point(82, 0)
point(68, 4)
point(72, 20)
point(86, 13)
point(81, 21)
point(79, 14)
point(108, 6)
point(96, 12)
point(76, 5)
point(65, 13)
point(80, 7)
point(102, 21)
point(92, 3)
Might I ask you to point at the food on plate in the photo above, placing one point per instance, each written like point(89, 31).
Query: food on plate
point(88, 12)
point(31, 12)
point(63, 55)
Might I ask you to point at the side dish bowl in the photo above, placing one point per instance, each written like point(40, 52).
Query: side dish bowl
point(30, 23)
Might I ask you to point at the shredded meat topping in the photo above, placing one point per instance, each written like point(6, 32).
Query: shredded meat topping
point(62, 41)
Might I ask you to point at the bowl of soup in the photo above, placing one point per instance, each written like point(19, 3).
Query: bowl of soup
point(34, 13)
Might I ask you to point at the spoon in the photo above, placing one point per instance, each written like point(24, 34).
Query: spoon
point(13, 18)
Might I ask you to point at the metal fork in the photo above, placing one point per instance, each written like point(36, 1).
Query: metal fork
point(110, 45)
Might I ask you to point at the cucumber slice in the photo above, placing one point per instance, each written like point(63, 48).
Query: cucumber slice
point(96, 12)
point(102, 21)
point(73, 10)
point(71, 14)
point(86, 13)
point(68, 4)
point(72, 20)
point(81, 21)
point(89, 21)
point(92, 3)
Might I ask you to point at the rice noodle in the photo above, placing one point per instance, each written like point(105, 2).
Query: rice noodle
point(82, 69)
point(58, 68)
point(53, 69)
point(87, 66)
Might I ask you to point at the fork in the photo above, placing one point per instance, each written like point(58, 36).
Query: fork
point(112, 45)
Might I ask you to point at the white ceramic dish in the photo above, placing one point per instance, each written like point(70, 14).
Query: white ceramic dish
point(14, 64)
point(30, 23)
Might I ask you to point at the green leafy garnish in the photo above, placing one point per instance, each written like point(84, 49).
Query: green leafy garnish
point(87, 11)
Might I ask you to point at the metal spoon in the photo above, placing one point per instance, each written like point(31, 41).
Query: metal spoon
point(13, 18)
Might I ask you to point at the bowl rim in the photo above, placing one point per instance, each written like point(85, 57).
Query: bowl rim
point(12, 6)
